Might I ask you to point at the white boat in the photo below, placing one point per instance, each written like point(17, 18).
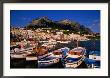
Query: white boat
point(75, 57)
point(18, 55)
point(47, 61)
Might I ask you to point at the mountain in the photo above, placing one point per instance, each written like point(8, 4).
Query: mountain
point(65, 21)
point(40, 22)
point(45, 22)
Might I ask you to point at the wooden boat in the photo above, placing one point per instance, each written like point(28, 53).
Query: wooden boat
point(60, 53)
point(57, 53)
point(75, 57)
point(41, 52)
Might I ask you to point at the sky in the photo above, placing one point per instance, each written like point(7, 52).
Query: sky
point(88, 18)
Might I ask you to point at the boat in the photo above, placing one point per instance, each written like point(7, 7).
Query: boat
point(47, 61)
point(65, 50)
point(60, 53)
point(52, 57)
point(94, 55)
point(93, 61)
point(41, 52)
point(75, 57)
point(57, 53)
point(18, 55)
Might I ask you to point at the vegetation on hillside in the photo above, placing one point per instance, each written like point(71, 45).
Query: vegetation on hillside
point(73, 27)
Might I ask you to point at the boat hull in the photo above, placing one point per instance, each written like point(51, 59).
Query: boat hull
point(74, 64)
point(47, 63)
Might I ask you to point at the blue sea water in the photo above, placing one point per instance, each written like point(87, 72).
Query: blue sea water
point(91, 45)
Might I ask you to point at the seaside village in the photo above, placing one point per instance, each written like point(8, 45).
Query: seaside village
point(46, 47)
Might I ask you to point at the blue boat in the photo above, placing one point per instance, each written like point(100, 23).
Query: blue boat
point(75, 57)
point(47, 61)
point(60, 53)
point(94, 59)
